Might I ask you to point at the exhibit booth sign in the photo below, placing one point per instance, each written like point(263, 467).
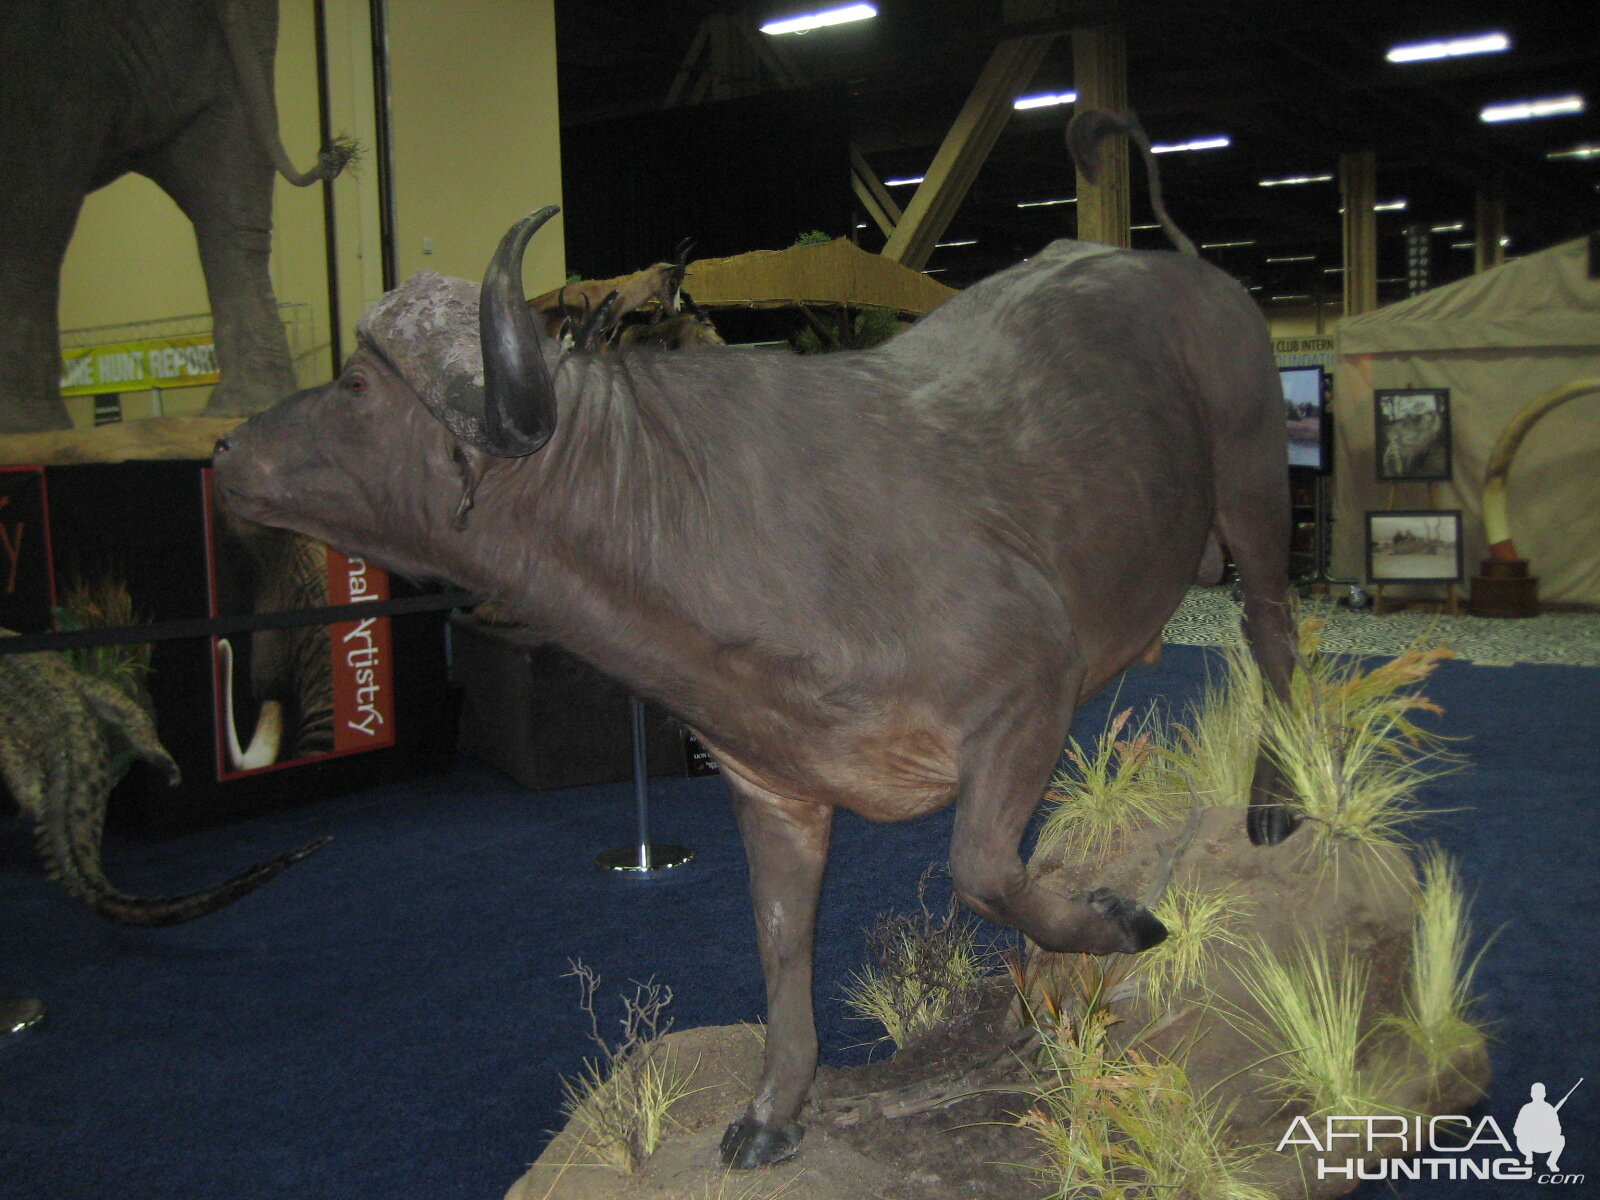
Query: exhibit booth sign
point(182, 360)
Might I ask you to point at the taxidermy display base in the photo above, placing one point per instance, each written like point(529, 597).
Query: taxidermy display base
point(1504, 589)
point(954, 1112)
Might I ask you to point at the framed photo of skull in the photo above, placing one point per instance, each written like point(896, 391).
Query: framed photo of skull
point(1412, 434)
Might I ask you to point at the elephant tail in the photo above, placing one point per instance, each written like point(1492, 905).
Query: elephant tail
point(57, 729)
point(251, 34)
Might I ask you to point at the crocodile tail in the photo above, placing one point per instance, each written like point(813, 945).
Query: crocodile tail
point(175, 910)
point(65, 788)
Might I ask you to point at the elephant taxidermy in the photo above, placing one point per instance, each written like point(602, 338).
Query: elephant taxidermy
point(180, 91)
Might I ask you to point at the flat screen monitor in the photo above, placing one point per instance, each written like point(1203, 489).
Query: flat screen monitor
point(1305, 401)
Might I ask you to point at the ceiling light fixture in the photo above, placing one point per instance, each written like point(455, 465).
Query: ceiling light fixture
point(1045, 203)
point(806, 22)
point(1280, 298)
point(1044, 100)
point(1391, 206)
point(962, 242)
point(1463, 245)
point(1293, 258)
point(1144, 227)
point(906, 181)
point(1528, 110)
point(1224, 245)
point(1581, 153)
point(1453, 227)
point(1483, 43)
point(1218, 142)
point(1290, 180)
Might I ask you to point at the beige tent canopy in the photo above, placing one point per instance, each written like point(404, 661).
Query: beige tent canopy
point(1497, 340)
point(824, 275)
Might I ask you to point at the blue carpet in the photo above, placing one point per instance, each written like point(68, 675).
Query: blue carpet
point(390, 1018)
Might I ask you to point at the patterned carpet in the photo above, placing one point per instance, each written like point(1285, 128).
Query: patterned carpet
point(1209, 617)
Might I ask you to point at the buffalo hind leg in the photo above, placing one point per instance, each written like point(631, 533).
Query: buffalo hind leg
point(1003, 775)
point(786, 843)
point(1255, 525)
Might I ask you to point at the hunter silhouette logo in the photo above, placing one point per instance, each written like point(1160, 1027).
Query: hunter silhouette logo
point(1445, 1147)
point(1538, 1127)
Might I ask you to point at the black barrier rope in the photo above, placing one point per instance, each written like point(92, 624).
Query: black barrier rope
point(165, 631)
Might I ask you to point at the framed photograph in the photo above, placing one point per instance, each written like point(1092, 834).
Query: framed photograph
point(1414, 546)
point(1412, 433)
point(1305, 402)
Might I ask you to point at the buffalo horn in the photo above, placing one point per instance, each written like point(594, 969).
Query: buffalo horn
point(519, 400)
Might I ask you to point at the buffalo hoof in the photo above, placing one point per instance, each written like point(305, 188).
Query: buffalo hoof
point(749, 1144)
point(1269, 824)
point(1138, 925)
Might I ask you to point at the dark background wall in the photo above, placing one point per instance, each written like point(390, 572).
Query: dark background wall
point(735, 176)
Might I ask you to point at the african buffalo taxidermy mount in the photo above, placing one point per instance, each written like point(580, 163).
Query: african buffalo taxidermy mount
point(878, 579)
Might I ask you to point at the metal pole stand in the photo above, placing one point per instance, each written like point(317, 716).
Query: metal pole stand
point(18, 1013)
point(644, 855)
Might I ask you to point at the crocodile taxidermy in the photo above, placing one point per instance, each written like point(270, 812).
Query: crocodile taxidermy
point(60, 733)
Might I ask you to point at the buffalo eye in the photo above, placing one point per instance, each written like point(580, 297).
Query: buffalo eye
point(355, 384)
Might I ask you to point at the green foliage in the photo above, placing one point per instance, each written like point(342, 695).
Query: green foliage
point(850, 329)
point(1123, 1124)
point(105, 604)
point(621, 1101)
point(1351, 755)
point(1311, 1026)
point(1437, 1017)
point(1216, 745)
point(1347, 746)
point(812, 237)
point(1198, 924)
point(1116, 783)
point(923, 970)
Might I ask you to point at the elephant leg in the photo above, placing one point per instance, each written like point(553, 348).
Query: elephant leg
point(223, 183)
point(786, 842)
point(38, 215)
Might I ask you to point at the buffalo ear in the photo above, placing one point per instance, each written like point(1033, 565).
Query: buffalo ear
point(472, 464)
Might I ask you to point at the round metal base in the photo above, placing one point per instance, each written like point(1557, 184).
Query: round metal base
point(18, 1013)
point(657, 857)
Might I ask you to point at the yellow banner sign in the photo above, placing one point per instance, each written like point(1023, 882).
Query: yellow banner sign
point(188, 360)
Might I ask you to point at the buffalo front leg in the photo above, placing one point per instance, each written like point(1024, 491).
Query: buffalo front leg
point(1003, 775)
point(786, 842)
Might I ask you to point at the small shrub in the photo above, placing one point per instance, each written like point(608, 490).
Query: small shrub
point(1198, 924)
point(105, 604)
point(1122, 1124)
point(1217, 743)
point(1311, 1027)
point(923, 970)
point(621, 1100)
point(1437, 1017)
point(1116, 783)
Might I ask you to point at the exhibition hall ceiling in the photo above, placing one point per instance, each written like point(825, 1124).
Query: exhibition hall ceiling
point(1290, 85)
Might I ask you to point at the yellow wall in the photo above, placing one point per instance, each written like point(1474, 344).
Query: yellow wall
point(1302, 320)
point(476, 143)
